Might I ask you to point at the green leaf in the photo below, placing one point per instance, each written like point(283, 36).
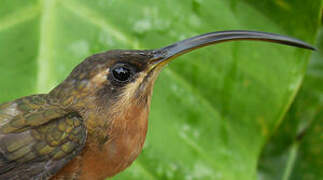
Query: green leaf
point(295, 151)
point(212, 110)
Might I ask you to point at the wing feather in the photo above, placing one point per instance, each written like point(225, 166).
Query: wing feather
point(37, 138)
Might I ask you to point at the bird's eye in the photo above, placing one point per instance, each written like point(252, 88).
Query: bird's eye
point(122, 73)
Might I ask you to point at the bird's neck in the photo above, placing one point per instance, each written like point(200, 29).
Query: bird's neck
point(116, 137)
point(113, 121)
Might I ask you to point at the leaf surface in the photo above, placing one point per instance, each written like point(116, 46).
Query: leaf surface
point(212, 110)
point(295, 150)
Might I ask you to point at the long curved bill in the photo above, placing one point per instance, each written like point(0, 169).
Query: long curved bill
point(164, 55)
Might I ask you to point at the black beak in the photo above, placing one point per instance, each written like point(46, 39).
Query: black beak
point(169, 52)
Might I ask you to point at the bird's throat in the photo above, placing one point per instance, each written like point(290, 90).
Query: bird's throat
point(126, 138)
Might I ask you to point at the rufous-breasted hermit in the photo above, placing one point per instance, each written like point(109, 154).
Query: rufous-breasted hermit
point(93, 125)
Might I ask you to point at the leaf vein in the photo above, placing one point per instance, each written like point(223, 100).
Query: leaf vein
point(45, 46)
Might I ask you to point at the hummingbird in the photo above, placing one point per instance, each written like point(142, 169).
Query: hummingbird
point(93, 125)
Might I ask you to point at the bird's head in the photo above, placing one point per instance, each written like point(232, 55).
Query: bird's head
point(120, 77)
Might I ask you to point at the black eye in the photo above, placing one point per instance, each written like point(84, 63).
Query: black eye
point(122, 73)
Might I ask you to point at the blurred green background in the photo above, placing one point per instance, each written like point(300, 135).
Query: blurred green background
point(238, 110)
